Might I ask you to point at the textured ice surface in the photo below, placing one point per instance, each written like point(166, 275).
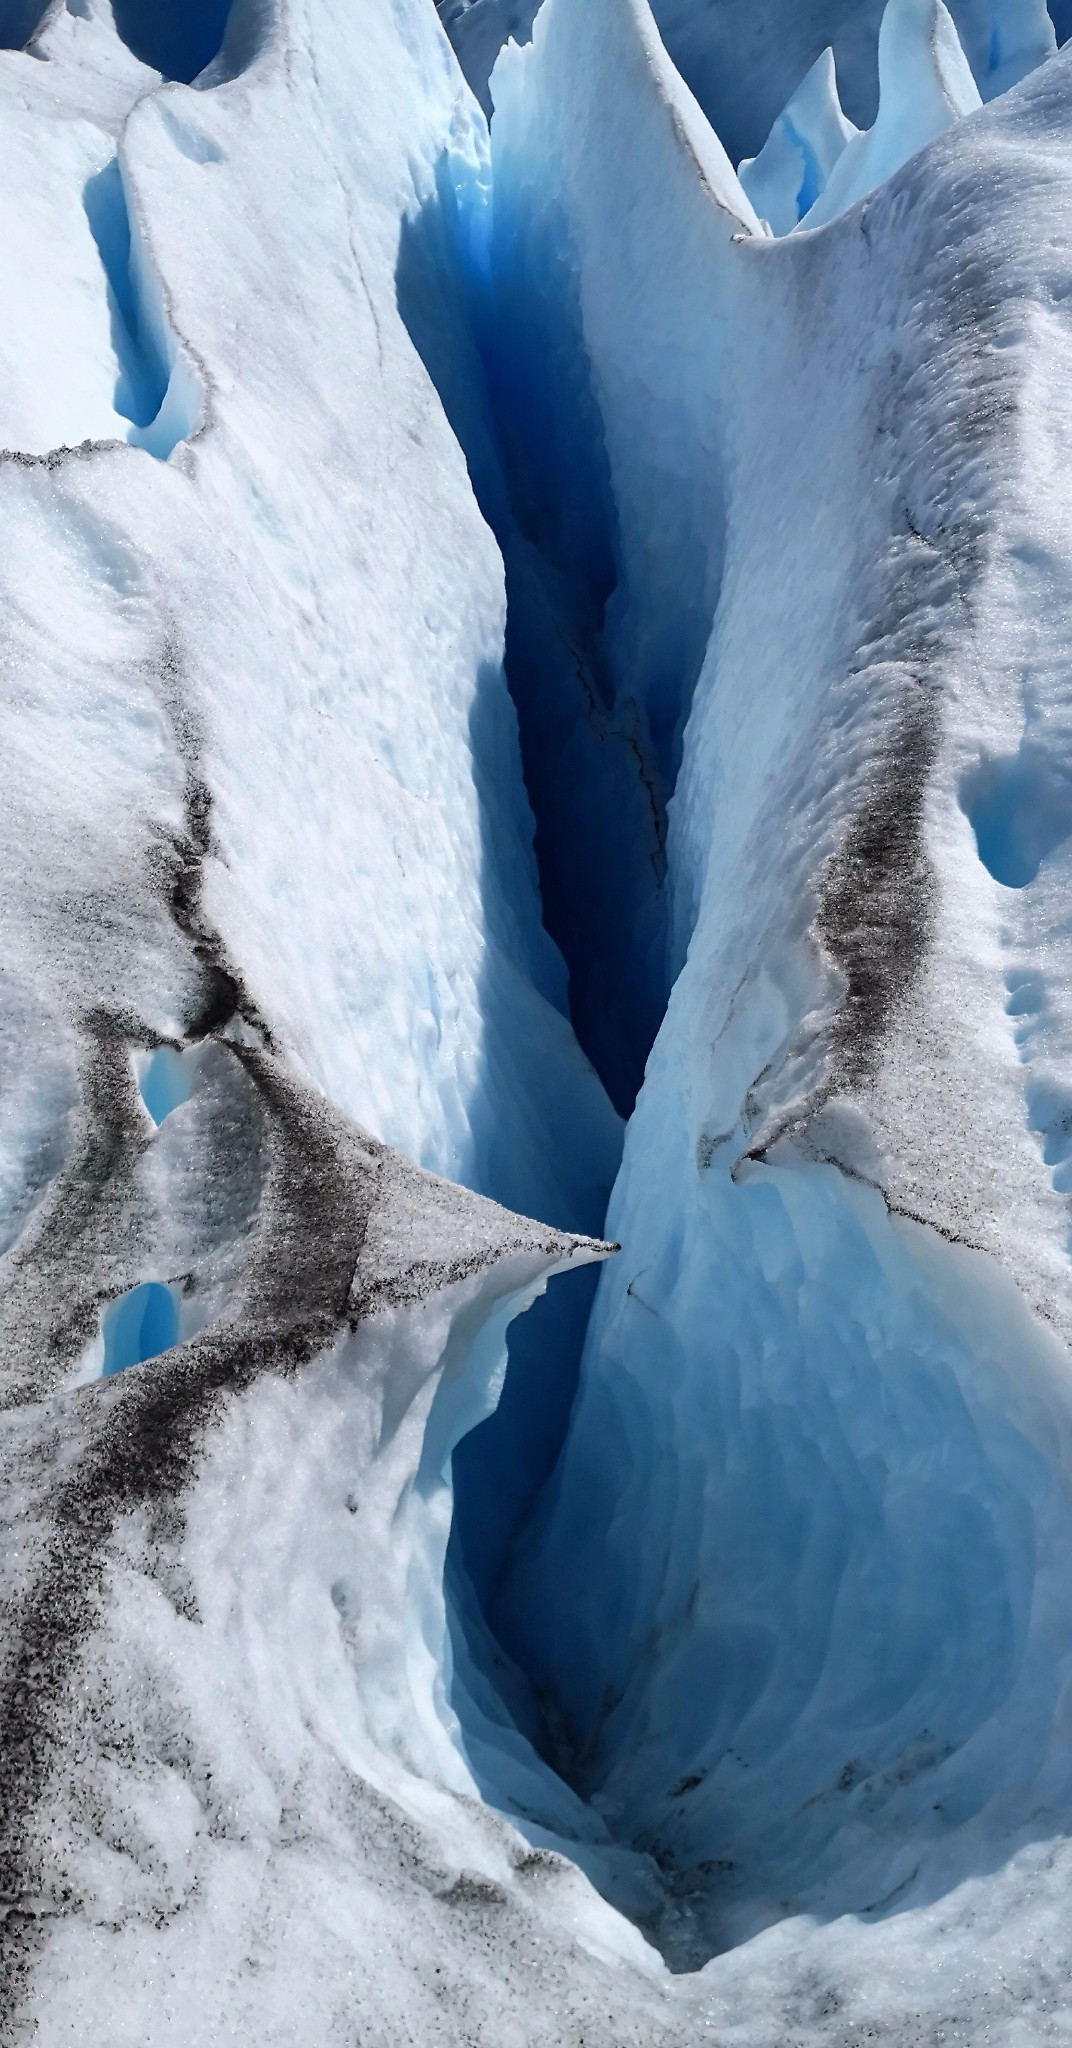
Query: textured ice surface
point(821, 1445)
point(363, 480)
point(270, 905)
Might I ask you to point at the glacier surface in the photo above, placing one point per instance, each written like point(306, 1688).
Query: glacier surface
point(535, 1033)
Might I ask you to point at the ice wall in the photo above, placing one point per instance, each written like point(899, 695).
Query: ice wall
point(595, 362)
point(784, 181)
point(924, 86)
point(263, 813)
point(814, 164)
point(716, 43)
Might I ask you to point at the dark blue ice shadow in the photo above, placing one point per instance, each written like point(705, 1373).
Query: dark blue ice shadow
point(19, 20)
point(501, 1466)
point(175, 37)
point(142, 380)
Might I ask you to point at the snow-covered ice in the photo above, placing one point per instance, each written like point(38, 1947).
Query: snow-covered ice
point(520, 640)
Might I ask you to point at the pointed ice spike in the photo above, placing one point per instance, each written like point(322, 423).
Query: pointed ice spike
point(925, 84)
point(785, 179)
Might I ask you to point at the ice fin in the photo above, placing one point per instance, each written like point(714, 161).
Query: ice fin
point(785, 179)
point(925, 84)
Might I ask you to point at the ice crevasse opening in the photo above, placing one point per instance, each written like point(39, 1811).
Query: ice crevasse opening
point(783, 1630)
point(179, 41)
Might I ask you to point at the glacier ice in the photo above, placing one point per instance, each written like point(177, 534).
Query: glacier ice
point(787, 1559)
point(138, 1325)
point(744, 62)
point(784, 181)
point(924, 85)
point(498, 643)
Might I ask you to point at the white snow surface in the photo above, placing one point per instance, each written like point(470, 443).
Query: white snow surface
point(763, 1735)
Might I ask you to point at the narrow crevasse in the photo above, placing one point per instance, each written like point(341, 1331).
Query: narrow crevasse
point(604, 635)
point(142, 380)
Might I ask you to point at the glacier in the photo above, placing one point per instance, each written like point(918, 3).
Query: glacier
point(535, 1121)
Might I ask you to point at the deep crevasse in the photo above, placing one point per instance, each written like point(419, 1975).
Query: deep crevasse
point(809, 1477)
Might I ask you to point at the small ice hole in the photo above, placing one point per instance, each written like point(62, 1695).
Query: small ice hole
point(165, 1080)
point(140, 1325)
point(1020, 809)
